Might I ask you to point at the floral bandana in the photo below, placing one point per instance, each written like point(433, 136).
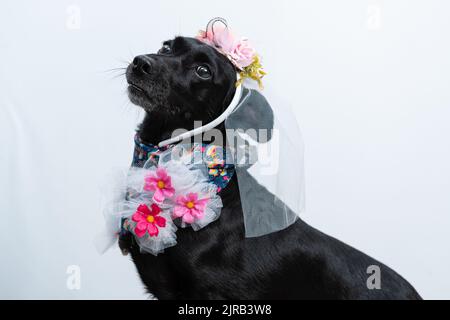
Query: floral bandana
point(220, 171)
point(164, 193)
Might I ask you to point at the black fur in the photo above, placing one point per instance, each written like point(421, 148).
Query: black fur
point(218, 262)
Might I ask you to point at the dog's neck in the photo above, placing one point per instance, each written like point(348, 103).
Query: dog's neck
point(156, 128)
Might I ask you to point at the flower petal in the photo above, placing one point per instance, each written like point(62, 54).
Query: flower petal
point(155, 209)
point(140, 229)
point(201, 204)
point(137, 216)
point(160, 221)
point(151, 178)
point(188, 218)
point(181, 200)
point(180, 211)
point(168, 192)
point(197, 213)
point(161, 173)
point(192, 197)
point(139, 233)
point(158, 196)
point(141, 225)
point(150, 183)
point(152, 230)
point(143, 208)
point(149, 186)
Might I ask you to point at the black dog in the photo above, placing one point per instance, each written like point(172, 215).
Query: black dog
point(186, 81)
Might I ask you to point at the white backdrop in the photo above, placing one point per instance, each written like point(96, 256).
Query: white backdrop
point(369, 81)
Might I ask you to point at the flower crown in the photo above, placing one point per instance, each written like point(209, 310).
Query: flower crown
point(236, 49)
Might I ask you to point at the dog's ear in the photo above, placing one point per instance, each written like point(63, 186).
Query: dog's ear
point(253, 113)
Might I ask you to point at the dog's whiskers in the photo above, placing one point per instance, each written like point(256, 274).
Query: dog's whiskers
point(115, 69)
point(118, 75)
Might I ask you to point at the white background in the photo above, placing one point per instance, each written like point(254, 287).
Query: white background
point(369, 81)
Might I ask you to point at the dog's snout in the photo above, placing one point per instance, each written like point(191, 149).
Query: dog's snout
point(143, 63)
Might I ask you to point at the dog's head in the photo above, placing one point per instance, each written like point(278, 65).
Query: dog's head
point(185, 81)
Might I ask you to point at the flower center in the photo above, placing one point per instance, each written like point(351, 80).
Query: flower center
point(150, 219)
point(190, 204)
point(161, 184)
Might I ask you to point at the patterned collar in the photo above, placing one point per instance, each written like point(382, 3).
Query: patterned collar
point(220, 173)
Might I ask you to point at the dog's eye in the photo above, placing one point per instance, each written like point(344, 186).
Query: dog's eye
point(165, 49)
point(203, 72)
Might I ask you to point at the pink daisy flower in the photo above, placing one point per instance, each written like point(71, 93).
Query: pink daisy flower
point(190, 207)
point(148, 220)
point(237, 49)
point(161, 184)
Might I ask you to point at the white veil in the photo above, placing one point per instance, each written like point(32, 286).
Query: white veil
point(268, 156)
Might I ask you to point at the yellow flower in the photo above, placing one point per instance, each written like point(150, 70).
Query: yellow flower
point(253, 71)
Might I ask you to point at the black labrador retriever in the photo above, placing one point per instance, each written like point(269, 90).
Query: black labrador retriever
point(188, 80)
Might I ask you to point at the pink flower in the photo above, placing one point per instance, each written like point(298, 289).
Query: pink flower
point(148, 220)
point(190, 207)
point(238, 50)
point(242, 54)
point(161, 183)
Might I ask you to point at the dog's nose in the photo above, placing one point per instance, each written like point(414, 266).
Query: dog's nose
point(143, 63)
